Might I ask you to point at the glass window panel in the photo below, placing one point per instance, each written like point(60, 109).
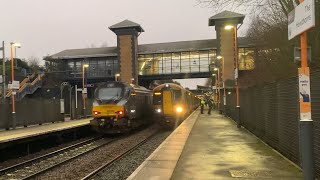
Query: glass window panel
point(204, 61)
point(93, 67)
point(157, 64)
point(185, 62)
point(70, 67)
point(176, 62)
point(194, 60)
point(101, 68)
point(109, 68)
point(141, 63)
point(148, 69)
point(166, 63)
point(246, 58)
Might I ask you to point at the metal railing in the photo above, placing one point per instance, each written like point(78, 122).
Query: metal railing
point(26, 87)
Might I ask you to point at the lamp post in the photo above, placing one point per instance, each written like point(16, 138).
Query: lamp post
point(12, 80)
point(235, 29)
point(84, 90)
point(3, 72)
point(218, 88)
point(224, 87)
point(15, 54)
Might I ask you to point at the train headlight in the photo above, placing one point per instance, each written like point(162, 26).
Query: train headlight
point(158, 110)
point(179, 109)
point(96, 112)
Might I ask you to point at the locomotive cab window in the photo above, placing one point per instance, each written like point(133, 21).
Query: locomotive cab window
point(110, 93)
point(177, 95)
point(157, 100)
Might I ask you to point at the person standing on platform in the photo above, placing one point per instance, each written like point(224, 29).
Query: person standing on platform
point(202, 103)
point(210, 104)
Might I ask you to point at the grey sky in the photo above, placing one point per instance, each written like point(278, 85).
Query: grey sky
point(50, 26)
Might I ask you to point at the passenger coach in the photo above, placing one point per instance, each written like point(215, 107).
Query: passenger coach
point(172, 103)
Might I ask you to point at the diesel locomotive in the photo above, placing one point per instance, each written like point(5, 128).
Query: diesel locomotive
point(120, 107)
point(172, 103)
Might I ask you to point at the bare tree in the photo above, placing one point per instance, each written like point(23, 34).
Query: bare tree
point(34, 64)
point(255, 6)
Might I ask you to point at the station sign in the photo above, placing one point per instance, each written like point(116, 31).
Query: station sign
point(301, 18)
point(89, 85)
point(14, 85)
point(304, 93)
point(84, 91)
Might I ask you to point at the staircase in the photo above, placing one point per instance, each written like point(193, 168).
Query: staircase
point(26, 87)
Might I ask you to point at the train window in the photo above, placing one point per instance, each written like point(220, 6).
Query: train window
point(157, 100)
point(177, 95)
point(109, 93)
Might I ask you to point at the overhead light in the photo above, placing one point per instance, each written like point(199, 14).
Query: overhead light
point(219, 57)
point(228, 27)
point(86, 65)
point(16, 44)
point(215, 69)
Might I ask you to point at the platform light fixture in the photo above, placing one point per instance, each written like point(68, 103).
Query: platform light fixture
point(84, 90)
point(13, 45)
point(228, 27)
point(116, 77)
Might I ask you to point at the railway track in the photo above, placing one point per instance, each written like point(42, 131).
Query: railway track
point(34, 167)
point(115, 159)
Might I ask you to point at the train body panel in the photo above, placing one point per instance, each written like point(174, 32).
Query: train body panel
point(120, 107)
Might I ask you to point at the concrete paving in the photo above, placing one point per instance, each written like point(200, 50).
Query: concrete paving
point(216, 149)
point(11, 135)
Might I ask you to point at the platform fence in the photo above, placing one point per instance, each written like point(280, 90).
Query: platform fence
point(271, 112)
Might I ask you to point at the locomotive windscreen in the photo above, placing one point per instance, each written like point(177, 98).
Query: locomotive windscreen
point(109, 93)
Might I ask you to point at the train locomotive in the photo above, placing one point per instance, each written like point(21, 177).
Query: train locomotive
point(172, 103)
point(120, 107)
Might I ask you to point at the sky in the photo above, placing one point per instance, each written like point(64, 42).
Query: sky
point(46, 27)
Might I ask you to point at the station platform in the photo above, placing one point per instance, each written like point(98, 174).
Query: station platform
point(38, 130)
point(212, 147)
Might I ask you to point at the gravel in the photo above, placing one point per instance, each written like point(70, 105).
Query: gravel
point(80, 167)
point(127, 165)
point(12, 162)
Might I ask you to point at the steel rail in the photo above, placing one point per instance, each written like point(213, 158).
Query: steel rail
point(109, 163)
point(67, 160)
point(13, 167)
point(21, 166)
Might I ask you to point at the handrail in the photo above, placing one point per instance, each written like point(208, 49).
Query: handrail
point(27, 87)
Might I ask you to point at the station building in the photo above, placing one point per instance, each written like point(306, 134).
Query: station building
point(146, 62)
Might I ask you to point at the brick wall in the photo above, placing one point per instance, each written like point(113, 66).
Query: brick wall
point(125, 49)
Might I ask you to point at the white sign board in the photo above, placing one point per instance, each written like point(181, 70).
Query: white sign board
point(304, 93)
point(1, 79)
point(84, 91)
point(14, 85)
point(236, 73)
point(61, 106)
point(301, 18)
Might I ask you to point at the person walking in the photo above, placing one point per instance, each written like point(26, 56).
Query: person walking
point(202, 103)
point(210, 104)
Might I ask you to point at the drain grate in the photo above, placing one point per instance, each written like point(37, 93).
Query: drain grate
point(250, 174)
